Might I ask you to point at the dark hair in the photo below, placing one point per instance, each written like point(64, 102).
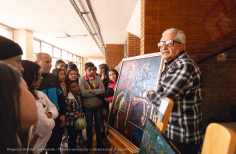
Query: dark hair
point(114, 70)
point(58, 62)
point(9, 107)
point(72, 67)
point(56, 71)
point(88, 64)
point(68, 84)
point(69, 63)
point(30, 74)
point(67, 75)
point(105, 68)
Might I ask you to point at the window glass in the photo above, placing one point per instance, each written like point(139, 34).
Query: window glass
point(53, 63)
point(64, 55)
point(56, 52)
point(47, 48)
point(36, 45)
point(70, 57)
point(74, 58)
point(81, 69)
point(78, 59)
point(6, 32)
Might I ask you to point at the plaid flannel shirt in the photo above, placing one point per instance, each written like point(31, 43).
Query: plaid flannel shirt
point(180, 81)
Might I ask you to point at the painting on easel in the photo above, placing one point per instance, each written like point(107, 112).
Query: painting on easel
point(153, 142)
point(131, 108)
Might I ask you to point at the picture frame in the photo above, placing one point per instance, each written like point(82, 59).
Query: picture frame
point(130, 107)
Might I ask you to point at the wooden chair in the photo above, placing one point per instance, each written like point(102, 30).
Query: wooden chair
point(219, 139)
point(163, 124)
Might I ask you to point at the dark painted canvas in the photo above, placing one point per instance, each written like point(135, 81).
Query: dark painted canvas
point(131, 108)
point(153, 142)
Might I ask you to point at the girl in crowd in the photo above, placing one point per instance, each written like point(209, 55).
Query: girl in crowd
point(103, 71)
point(47, 111)
point(109, 93)
point(16, 112)
point(75, 68)
point(73, 111)
point(72, 75)
point(60, 74)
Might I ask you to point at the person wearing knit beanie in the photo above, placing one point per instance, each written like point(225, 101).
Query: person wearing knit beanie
point(10, 53)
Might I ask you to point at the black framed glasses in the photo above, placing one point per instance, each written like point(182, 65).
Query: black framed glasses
point(168, 43)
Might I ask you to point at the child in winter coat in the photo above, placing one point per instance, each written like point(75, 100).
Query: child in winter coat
point(73, 111)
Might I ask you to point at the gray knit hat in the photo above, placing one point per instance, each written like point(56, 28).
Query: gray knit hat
point(8, 48)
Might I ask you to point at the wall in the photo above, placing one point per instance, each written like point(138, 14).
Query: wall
point(133, 45)
point(114, 54)
point(210, 27)
point(25, 39)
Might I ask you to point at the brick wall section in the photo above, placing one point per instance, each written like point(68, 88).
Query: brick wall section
point(210, 26)
point(114, 54)
point(133, 45)
point(150, 26)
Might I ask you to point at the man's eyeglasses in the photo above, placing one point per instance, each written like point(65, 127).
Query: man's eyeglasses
point(168, 43)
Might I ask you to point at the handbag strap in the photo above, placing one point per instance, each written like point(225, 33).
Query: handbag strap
point(90, 84)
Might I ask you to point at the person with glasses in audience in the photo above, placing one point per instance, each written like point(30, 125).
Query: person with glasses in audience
point(47, 111)
point(180, 81)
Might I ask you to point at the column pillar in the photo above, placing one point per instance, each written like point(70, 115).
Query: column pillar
point(25, 39)
point(133, 45)
point(114, 54)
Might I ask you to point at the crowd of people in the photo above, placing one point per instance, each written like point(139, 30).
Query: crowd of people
point(37, 106)
point(47, 104)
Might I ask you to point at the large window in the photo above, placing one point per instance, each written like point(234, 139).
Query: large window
point(57, 53)
point(6, 31)
point(36, 45)
point(70, 57)
point(64, 55)
point(47, 48)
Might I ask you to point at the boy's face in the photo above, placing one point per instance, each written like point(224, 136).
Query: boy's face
point(62, 66)
point(90, 71)
point(74, 88)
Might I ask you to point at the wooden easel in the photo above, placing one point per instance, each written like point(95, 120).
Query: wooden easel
point(120, 144)
point(163, 124)
point(123, 147)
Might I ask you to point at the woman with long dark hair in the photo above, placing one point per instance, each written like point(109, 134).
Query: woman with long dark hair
point(17, 113)
point(47, 111)
point(60, 74)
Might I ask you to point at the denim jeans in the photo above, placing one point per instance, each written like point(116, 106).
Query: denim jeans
point(72, 133)
point(97, 113)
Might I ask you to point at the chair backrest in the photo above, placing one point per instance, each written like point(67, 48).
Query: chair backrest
point(219, 139)
point(162, 124)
